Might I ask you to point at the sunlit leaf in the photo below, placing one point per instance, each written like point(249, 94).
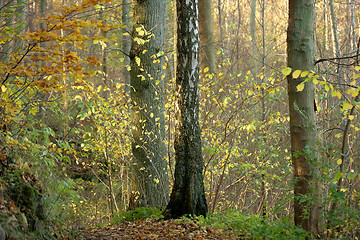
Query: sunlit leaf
point(304, 73)
point(286, 71)
point(300, 87)
point(346, 106)
point(296, 74)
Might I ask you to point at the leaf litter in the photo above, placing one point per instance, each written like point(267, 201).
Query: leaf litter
point(156, 229)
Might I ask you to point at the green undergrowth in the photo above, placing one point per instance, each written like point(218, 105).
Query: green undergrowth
point(137, 214)
point(252, 226)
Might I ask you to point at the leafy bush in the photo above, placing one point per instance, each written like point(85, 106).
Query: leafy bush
point(137, 214)
point(252, 226)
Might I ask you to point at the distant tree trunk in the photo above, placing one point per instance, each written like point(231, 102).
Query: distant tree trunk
point(188, 195)
point(300, 50)
point(207, 34)
point(20, 20)
point(254, 51)
point(149, 176)
point(126, 43)
point(353, 25)
point(43, 4)
point(221, 26)
point(7, 47)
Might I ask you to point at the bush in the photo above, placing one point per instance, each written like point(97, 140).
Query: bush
point(137, 214)
point(253, 226)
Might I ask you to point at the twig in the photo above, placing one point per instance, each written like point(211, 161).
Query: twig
point(336, 58)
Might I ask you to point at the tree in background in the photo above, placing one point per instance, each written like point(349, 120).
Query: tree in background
point(300, 53)
point(188, 194)
point(149, 179)
point(207, 39)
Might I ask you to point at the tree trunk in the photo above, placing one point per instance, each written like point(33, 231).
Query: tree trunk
point(126, 44)
point(207, 34)
point(300, 52)
point(149, 175)
point(188, 194)
point(254, 50)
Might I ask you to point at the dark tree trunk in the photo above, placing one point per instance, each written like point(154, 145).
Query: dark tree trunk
point(188, 195)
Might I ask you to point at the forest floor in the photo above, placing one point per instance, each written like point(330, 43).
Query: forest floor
point(155, 229)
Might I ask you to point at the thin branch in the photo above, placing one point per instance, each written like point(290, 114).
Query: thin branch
point(336, 58)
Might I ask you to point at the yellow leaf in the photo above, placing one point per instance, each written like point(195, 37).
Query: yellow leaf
point(3, 88)
point(296, 74)
point(353, 92)
point(356, 76)
point(137, 60)
point(157, 82)
point(351, 117)
point(300, 87)
point(206, 70)
point(339, 161)
point(346, 106)
point(286, 71)
point(327, 88)
point(315, 81)
point(304, 73)
point(357, 68)
point(336, 94)
point(151, 115)
point(33, 111)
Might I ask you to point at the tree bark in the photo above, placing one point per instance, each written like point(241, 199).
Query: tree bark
point(300, 51)
point(149, 175)
point(188, 194)
point(207, 34)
